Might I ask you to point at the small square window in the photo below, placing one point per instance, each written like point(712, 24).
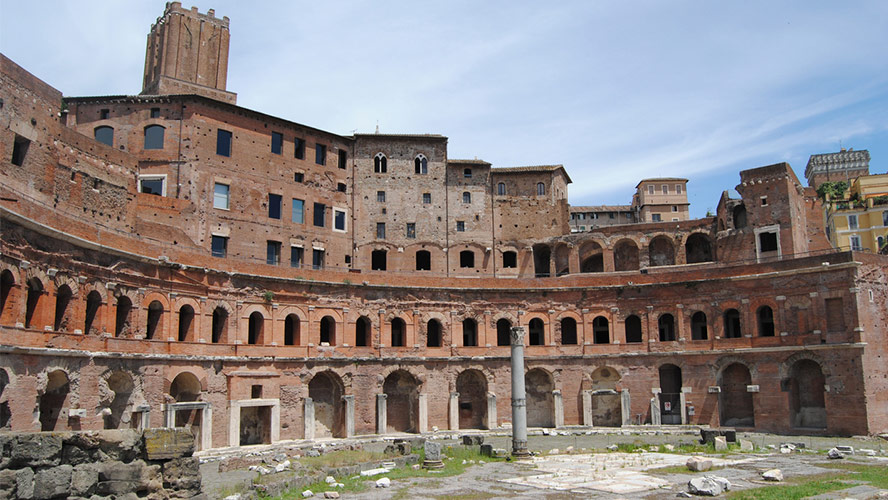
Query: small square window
point(152, 184)
point(298, 177)
point(320, 154)
point(764, 201)
point(341, 187)
point(219, 246)
point(380, 196)
point(655, 217)
point(467, 173)
point(338, 220)
point(223, 143)
point(221, 196)
point(277, 143)
point(155, 113)
point(104, 113)
point(274, 206)
point(380, 230)
point(460, 226)
point(426, 198)
point(674, 208)
point(411, 230)
point(768, 242)
point(300, 148)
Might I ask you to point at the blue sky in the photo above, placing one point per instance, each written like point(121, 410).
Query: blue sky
point(614, 91)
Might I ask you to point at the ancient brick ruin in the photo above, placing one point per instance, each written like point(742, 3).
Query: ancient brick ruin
point(172, 259)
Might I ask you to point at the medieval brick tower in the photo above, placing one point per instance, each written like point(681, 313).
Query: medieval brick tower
point(187, 53)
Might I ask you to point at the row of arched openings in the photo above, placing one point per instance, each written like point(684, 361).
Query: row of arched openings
point(420, 164)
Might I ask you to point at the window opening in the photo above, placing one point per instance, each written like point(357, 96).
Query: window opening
point(380, 163)
point(277, 143)
point(421, 165)
point(274, 206)
point(19, 150)
point(320, 154)
point(423, 260)
point(380, 230)
point(317, 259)
point(343, 159)
point(219, 246)
point(411, 230)
point(154, 137)
point(467, 259)
point(510, 259)
point(320, 214)
point(298, 213)
point(220, 196)
point(299, 152)
point(105, 135)
point(378, 260)
point(273, 253)
point(296, 254)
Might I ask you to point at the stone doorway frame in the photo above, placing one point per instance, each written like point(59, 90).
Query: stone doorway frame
point(206, 419)
point(234, 419)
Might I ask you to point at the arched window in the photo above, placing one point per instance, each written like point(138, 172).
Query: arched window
point(732, 324)
point(122, 319)
point(467, 197)
point(399, 334)
point(501, 189)
point(35, 291)
point(765, 321)
point(93, 303)
point(600, 330)
point(503, 332)
point(362, 332)
point(256, 328)
point(568, 331)
point(291, 330)
point(423, 260)
point(153, 137)
point(633, 329)
point(421, 165)
point(105, 135)
point(186, 322)
point(541, 189)
point(666, 325)
point(470, 332)
point(467, 259)
point(155, 319)
point(220, 325)
point(433, 333)
point(63, 298)
point(7, 282)
point(380, 163)
point(328, 330)
point(536, 328)
point(698, 326)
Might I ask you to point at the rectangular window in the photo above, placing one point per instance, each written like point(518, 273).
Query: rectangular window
point(651, 189)
point(277, 143)
point(678, 189)
point(341, 187)
point(300, 148)
point(320, 154)
point(768, 242)
point(317, 259)
point(426, 198)
point(610, 215)
point(855, 243)
point(298, 177)
point(674, 208)
point(510, 259)
point(380, 230)
point(223, 143)
point(467, 173)
point(320, 214)
point(460, 226)
point(103, 114)
point(220, 196)
point(380, 196)
point(835, 315)
point(219, 246)
point(298, 215)
point(764, 201)
point(411, 230)
point(665, 189)
point(19, 150)
point(467, 197)
point(852, 222)
point(655, 217)
point(338, 220)
point(343, 159)
point(296, 254)
point(274, 206)
point(273, 253)
point(155, 113)
point(152, 184)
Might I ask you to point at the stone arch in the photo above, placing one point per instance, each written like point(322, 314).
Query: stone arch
point(329, 324)
point(807, 394)
point(327, 327)
point(186, 387)
point(536, 324)
point(8, 295)
point(187, 322)
point(156, 307)
point(569, 329)
point(256, 328)
point(363, 331)
point(698, 248)
point(738, 215)
point(469, 332)
point(5, 412)
point(34, 303)
point(326, 390)
point(503, 331)
point(626, 255)
point(562, 259)
point(540, 384)
point(471, 385)
point(765, 321)
point(591, 255)
point(670, 376)
point(397, 331)
point(600, 330)
point(62, 279)
point(606, 400)
point(632, 325)
point(63, 314)
point(735, 402)
point(117, 390)
point(661, 251)
point(94, 303)
point(699, 326)
point(666, 327)
point(434, 329)
point(402, 401)
point(53, 399)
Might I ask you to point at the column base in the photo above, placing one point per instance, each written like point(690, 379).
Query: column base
point(432, 464)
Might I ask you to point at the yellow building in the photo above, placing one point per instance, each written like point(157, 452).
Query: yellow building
point(859, 220)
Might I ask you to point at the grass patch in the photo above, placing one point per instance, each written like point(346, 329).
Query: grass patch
point(801, 487)
point(341, 458)
point(474, 495)
point(683, 448)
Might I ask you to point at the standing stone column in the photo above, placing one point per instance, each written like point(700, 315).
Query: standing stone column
point(655, 409)
point(454, 411)
point(625, 407)
point(423, 424)
point(491, 410)
point(519, 396)
point(559, 408)
point(349, 402)
point(381, 417)
point(587, 408)
point(309, 419)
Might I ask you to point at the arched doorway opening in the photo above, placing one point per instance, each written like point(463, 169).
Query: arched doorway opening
point(537, 331)
point(568, 331)
point(606, 401)
point(472, 388)
point(670, 395)
point(540, 398)
point(699, 331)
point(402, 402)
point(122, 324)
point(633, 329)
point(53, 400)
point(600, 330)
point(186, 388)
point(399, 332)
point(186, 323)
point(666, 326)
point(291, 330)
point(362, 331)
point(807, 401)
point(732, 324)
point(433, 333)
point(503, 332)
point(661, 252)
point(220, 325)
point(734, 401)
point(328, 331)
point(35, 292)
point(120, 390)
point(542, 256)
point(63, 300)
point(470, 332)
point(591, 258)
point(325, 391)
point(7, 283)
point(698, 249)
point(155, 319)
point(626, 256)
point(256, 328)
point(93, 304)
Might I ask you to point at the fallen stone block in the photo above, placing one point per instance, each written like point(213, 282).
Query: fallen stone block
point(54, 482)
point(331, 494)
point(721, 443)
point(669, 447)
point(834, 454)
point(486, 450)
point(773, 475)
point(307, 494)
point(375, 472)
point(165, 443)
point(330, 480)
point(383, 482)
point(124, 445)
point(746, 445)
point(846, 450)
point(24, 483)
point(472, 439)
point(703, 486)
point(699, 464)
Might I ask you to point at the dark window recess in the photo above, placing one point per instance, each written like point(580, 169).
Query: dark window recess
point(341, 187)
point(411, 230)
point(377, 260)
point(296, 255)
point(343, 159)
point(317, 259)
point(300, 149)
point(467, 197)
point(320, 154)
point(155, 113)
point(380, 163)
point(380, 196)
point(277, 143)
point(105, 135)
point(220, 246)
point(319, 214)
point(154, 137)
point(339, 220)
point(104, 113)
point(460, 226)
point(151, 186)
point(19, 150)
point(768, 242)
point(298, 177)
point(223, 143)
point(467, 258)
point(380, 230)
point(423, 260)
point(421, 165)
point(426, 198)
point(510, 259)
point(273, 253)
point(274, 206)
point(467, 173)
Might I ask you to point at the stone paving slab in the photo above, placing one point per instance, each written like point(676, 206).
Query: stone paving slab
point(861, 492)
